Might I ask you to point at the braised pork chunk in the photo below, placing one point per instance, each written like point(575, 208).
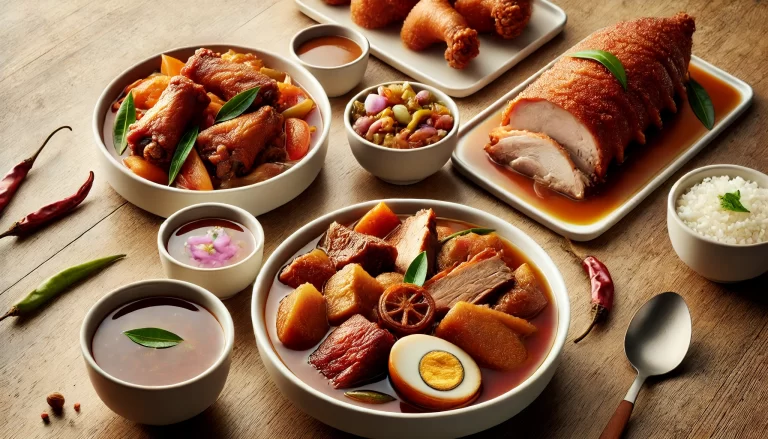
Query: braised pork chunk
point(416, 234)
point(345, 246)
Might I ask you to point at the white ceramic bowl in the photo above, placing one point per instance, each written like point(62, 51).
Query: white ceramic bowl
point(337, 80)
point(403, 166)
point(257, 198)
point(379, 424)
point(714, 260)
point(224, 282)
point(158, 405)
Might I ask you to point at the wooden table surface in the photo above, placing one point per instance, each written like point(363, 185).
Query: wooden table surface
point(55, 59)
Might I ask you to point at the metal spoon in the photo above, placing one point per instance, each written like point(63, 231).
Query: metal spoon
point(656, 343)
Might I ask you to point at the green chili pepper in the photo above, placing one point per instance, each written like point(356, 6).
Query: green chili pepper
point(57, 283)
point(417, 117)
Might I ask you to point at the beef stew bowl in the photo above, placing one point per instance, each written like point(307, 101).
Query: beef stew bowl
point(196, 139)
point(368, 356)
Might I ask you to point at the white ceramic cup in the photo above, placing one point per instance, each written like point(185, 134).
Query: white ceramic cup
point(336, 80)
point(224, 282)
point(711, 259)
point(402, 166)
point(158, 405)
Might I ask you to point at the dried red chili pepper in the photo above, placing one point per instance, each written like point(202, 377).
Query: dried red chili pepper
point(13, 179)
point(47, 214)
point(602, 288)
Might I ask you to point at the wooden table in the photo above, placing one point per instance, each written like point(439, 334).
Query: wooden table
point(55, 59)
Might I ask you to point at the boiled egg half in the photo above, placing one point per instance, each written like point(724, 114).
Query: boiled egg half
point(432, 373)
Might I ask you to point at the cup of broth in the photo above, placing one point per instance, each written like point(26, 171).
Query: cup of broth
point(214, 245)
point(158, 352)
point(337, 56)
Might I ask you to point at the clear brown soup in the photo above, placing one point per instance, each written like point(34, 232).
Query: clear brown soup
point(203, 341)
point(329, 51)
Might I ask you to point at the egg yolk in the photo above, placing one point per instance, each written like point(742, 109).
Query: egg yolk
point(441, 370)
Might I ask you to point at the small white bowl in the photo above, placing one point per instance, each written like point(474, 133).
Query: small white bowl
point(711, 259)
point(224, 282)
point(403, 166)
point(336, 80)
point(158, 405)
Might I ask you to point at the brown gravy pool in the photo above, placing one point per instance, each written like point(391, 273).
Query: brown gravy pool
point(329, 51)
point(494, 383)
point(121, 358)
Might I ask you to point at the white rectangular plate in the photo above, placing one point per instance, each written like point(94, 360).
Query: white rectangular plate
point(491, 117)
point(496, 55)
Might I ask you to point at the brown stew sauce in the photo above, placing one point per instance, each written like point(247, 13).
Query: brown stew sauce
point(329, 51)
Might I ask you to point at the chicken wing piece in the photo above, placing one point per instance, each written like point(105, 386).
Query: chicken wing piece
point(507, 18)
point(156, 134)
point(373, 14)
point(232, 146)
point(226, 79)
point(435, 21)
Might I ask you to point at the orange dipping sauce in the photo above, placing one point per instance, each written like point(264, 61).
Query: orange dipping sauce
point(329, 51)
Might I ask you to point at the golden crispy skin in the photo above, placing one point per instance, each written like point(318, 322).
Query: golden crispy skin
point(435, 21)
point(373, 14)
point(232, 146)
point(655, 53)
point(157, 133)
point(226, 79)
point(507, 18)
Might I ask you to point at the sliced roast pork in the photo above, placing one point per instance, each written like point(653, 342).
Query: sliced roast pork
point(474, 281)
point(416, 234)
point(537, 156)
point(345, 246)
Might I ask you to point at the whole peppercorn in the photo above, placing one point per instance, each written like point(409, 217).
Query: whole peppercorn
point(56, 401)
point(44, 416)
point(77, 407)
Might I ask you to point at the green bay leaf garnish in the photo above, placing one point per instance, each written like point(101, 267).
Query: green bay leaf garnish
point(369, 396)
point(183, 149)
point(417, 271)
point(476, 230)
point(126, 116)
point(237, 105)
point(153, 337)
point(700, 103)
point(732, 201)
point(607, 59)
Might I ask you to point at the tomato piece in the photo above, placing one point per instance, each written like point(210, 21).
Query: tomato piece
point(290, 95)
point(170, 66)
point(297, 135)
point(146, 170)
point(406, 309)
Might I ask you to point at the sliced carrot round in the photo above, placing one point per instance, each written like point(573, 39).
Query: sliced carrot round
point(297, 135)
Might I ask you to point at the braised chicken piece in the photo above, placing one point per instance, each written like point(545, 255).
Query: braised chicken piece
point(474, 281)
point(416, 234)
point(462, 248)
point(525, 299)
point(508, 18)
point(313, 267)
point(226, 78)
point(232, 146)
point(156, 135)
point(345, 246)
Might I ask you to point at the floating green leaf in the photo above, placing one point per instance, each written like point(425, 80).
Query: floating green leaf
point(237, 105)
point(701, 104)
point(369, 396)
point(607, 59)
point(153, 337)
point(476, 230)
point(417, 271)
point(183, 149)
point(126, 115)
point(732, 201)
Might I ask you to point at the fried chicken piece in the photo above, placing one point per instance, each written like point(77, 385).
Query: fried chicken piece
point(373, 14)
point(157, 133)
point(336, 2)
point(507, 18)
point(434, 21)
point(226, 78)
point(232, 146)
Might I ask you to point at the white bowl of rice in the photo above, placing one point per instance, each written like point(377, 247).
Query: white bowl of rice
point(717, 219)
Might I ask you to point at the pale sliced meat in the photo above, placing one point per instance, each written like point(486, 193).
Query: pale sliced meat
point(416, 234)
point(537, 156)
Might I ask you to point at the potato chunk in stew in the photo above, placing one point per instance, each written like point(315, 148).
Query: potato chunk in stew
point(301, 318)
point(351, 291)
point(313, 267)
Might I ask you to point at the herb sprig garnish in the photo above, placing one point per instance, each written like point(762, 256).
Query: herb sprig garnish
point(607, 59)
point(153, 338)
point(126, 116)
point(237, 105)
point(701, 104)
point(732, 201)
point(417, 271)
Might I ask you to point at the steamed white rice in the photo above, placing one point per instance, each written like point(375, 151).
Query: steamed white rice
point(699, 208)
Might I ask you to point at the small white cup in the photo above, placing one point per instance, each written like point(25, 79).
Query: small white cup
point(158, 405)
point(337, 80)
point(224, 282)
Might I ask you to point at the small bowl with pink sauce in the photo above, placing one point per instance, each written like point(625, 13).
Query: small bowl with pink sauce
point(217, 246)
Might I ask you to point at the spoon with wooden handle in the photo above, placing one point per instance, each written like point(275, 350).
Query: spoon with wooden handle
point(656, 343)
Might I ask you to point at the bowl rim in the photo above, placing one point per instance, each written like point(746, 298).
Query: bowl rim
point(321, 100)
point(362, 41)
point(688, 178)
point(258, 235)
point(557, 283)
point(227, 327)
point(450, 103)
